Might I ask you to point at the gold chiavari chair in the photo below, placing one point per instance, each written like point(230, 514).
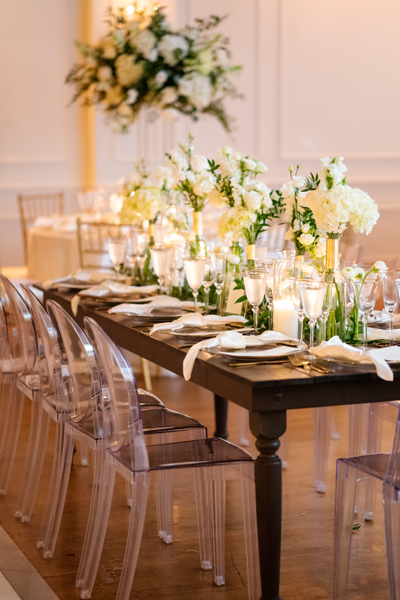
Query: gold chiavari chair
point(93, 254)
point(32, 206)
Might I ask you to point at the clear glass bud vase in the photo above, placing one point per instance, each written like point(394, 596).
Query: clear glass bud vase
point(198, 242)
point(229, 295)
point(335, 300)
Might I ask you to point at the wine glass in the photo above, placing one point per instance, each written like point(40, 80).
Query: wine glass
point(255, 283)
point(142, 241)
point(177, 265)
point(132, 253)
point(209, 278)
point(366, 303)
point(296, 283)
point(116, 251)
point(161, 257)
point(195, 265)
point(389, 281)
point(219, 270)
point(313, 294)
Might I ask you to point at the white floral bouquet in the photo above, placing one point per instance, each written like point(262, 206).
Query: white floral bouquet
point(302, 231)
point(334, 204)
point(252, 205)
point(143, 62)
point(192, 175)
point(144, 197)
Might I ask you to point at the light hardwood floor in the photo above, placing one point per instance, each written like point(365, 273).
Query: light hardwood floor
point(172, 572)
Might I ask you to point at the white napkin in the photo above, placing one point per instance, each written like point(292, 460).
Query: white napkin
point(382, 334)
point(46, 222)
point(81, 275)
point(230, 340)
point(112, 287)
point(197, 320)
point(335, 348)
point(145, 309)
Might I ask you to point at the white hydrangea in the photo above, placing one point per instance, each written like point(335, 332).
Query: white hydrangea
point(160, 78)
point(145, 42)
point(306, 239)
point(203, 183)
point(173, 48)
point(229, 168)
point(128, 70)
point(197, 88)
point(252, 200)
point(363, 212)
point(232, 223)
point(199, 164)
point(162, 177)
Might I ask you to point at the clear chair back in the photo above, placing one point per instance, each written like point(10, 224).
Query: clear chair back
point(84, 383)
point(20, 329)
point(121, 411)
point(5, 363)
point(49, 354)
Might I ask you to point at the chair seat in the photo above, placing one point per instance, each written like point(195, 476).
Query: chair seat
point(374, 465)
point(161, 420)
point(195, 453)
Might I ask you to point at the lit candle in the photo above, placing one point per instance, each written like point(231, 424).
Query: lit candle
point(285, 317)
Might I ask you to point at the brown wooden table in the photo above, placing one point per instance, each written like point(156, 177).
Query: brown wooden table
point(267, 392)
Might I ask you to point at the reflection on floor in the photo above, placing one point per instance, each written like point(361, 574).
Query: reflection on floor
point(172, 572)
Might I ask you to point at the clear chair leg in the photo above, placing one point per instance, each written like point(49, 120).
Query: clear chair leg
point(392, 524)
point(60, 427)
point(203, 494)
point(60, 493)
point(322, 418)
point(251, 539)
point(8, 400)
point(35, 466)
point(99, 530)
point(140, 491)
point(374, 439)
point(346, 480)
point(165, 506)
point(11, 437)
point(98, 466)
point(219, 531)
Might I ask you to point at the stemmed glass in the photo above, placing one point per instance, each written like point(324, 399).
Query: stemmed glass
point(142, 240)
point(161, 257)
point(255, 283)
point(178, 265)
point(219, 270)
point(366, 303)
point(116, 250)
point(312, 296)
point(132, 253)
point(209, 278)
point(390, 282)
point(195, 265)
point(296, 283)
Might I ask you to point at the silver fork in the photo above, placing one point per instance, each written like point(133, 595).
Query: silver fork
point(301, 359)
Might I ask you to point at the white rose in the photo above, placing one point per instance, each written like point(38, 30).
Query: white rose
point(306, 239)
point(104, 73)
point(160, 78)
point(203, 183)
point(297, 181)
point(132, 96)
point(237, 156)
point(348, 273)
point(199, 164)
point(305, 228)
point(227, 151)
point(260, 168)
point(250, 164)
point(173, 48)
point(274, 196)
point(252, 200)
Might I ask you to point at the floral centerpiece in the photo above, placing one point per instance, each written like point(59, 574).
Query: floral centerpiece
point(143, 62)
point(334, 204)
point(252, 205)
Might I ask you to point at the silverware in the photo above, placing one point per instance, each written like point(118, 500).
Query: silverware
point(260, 362)
point(302, 360)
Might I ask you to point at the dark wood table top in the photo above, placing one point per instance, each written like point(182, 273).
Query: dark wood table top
point(259, 388)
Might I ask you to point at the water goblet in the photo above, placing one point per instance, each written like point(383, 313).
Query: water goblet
point(313, 294)
point(195, 268)
point(132, 253)
point(366, 303)
point(296, 283)
point(389, 281)
point(142, 241)
point(161, 257)
point(255, 283)
point(116, 249)
point(178, 265)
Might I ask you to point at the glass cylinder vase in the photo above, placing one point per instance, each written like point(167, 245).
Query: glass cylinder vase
point(234, 260)
point(336, 299)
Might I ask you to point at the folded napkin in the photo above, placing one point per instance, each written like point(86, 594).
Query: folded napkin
point(230, 340)
point(110, 287)
point(81, 276)
point(382, 334)
point(197, 320)
point(145, 309)
point(335, 348)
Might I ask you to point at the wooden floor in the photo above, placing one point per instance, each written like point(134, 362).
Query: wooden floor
point(172, 572)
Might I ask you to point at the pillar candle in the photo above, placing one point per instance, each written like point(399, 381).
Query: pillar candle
point(285, 317)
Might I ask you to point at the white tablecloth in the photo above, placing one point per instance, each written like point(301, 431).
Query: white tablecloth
point(52, 253)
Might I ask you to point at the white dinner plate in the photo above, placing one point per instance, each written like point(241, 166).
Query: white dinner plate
point(253, 352)
point(207, 331)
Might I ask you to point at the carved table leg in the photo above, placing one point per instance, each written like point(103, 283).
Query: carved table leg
point(268, 479)
point(221, 416)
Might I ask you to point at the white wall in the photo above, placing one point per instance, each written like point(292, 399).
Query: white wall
point(319, 79)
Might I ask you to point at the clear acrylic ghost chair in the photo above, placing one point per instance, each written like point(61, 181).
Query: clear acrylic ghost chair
point(380, 466)
point(20, 380)
point(82, 389)
point(208, 462)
